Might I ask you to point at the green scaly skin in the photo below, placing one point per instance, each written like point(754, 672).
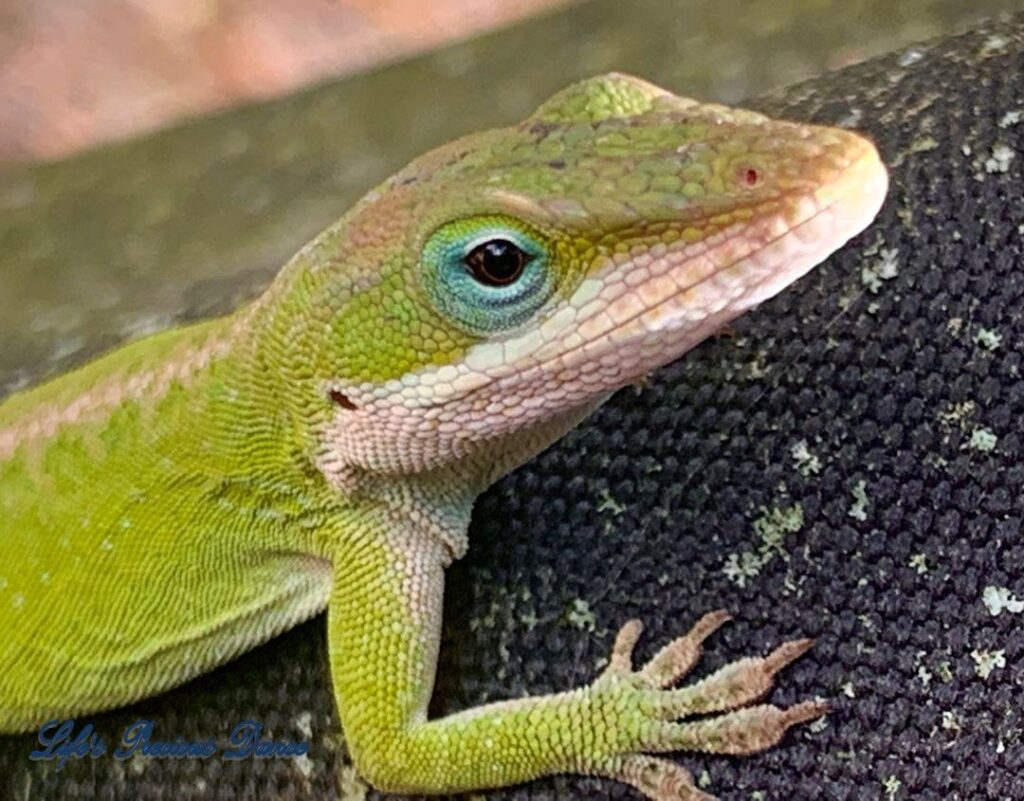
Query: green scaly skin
point(191, 495)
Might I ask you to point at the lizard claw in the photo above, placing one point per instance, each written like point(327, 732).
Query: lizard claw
point(657, 779)
point(621, 662)
point(677, 658)
point(741, 729)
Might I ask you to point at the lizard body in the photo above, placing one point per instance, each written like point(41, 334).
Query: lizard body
point(191, 495)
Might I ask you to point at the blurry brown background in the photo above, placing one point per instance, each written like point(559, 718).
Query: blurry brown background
point(78, 72)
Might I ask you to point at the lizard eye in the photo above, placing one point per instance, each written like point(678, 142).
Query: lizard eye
point(487, 274)
point(496, 262)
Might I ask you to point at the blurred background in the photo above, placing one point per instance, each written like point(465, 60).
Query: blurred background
point(74, 73)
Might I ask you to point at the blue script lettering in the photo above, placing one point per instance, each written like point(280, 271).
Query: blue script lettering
point(58, 743)
point(138, 739)
point(246, 742)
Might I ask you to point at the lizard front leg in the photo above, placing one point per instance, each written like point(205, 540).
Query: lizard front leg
point(384, 629)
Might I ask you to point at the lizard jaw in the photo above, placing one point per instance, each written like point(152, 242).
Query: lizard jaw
point(643, 310)
point(686, 301)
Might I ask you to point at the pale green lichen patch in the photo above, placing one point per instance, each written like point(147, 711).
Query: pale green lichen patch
point(957, 414)
point(885, 269)
point(999, 599)
point(910, 56)
point(986, 662)
point(988, 338)
point(579, 615)
point(983, 439)
point(351, 786)
point(923, 144)
point(757, 367)
point(926, 674)
point(994, 45)
point(609, 504)
point(891, 785)
point(138, 764)
point(919, 562)
point(852, 118)
point(1000, 159)
point(1011, 118)
point(303, 722)
point(859, 509)
point(305, 766)
point(771, 527)
point(743, 566)
point(650, 466)
point(522, 603)
point(819, 725)
point(806, 462)
point(950, 722)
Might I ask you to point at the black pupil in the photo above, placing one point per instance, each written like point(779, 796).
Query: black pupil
point(497, 262)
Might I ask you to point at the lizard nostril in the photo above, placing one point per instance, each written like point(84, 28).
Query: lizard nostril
point(750, 176)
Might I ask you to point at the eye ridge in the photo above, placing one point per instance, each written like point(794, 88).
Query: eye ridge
point(497, 262)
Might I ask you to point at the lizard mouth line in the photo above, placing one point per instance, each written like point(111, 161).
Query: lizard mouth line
point(857, 196)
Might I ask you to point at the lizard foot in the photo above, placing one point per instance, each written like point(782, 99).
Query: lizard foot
point(741, 729)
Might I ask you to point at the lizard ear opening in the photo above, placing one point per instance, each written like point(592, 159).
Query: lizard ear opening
point(339, 398)
point(595, 99)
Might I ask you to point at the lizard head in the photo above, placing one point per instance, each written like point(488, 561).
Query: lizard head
point(500, 286)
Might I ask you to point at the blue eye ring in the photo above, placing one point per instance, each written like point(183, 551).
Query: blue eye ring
point(487, 274)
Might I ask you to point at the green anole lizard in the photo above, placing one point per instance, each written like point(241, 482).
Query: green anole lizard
point(192, 494)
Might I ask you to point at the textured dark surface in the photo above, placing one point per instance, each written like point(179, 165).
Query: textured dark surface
point(896, 365)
